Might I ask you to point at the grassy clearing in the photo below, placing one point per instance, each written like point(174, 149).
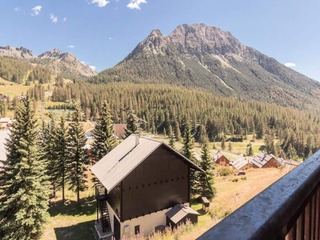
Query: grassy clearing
point(12, 89)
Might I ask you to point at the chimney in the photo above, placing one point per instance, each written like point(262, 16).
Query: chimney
point(137, 136)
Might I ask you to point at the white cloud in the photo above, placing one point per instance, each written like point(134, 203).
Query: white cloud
point(36, 10)
point(100, 3)
point(53, 18)
point(70, 46)
point(135, 4)
point(109, 38)
point(93, 67)
point(64, 19)
point(290, 65)
point(16, 9)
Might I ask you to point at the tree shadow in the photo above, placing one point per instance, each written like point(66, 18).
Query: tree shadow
point(80, 231)
point(87, 206)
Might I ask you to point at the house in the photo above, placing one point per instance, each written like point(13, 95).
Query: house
point(5, 122)
point(142, 179)
point(241, 164)
point(181, 213)
point(4, 134)
point(264, 160)
point(220, 159)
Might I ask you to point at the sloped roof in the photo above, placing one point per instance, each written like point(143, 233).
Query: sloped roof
point(4, 134)
point(5, 120)
point(239, 163)
point(124, 158)
point(218, 155)
point(261, 159)
point(178, 212)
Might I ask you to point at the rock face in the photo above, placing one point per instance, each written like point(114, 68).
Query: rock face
point(21, 53)
point(206, 57)
point(66, 63)
point(55, 60)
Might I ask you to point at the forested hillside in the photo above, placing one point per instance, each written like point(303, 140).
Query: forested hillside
point(161, 106)
point(19, 71)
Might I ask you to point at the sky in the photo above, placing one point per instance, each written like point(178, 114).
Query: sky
point(103, 32)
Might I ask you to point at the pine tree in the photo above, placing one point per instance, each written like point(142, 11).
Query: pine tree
point(223, 143)
point(104, 140)
point(172, 141)
point(187, 142)
point(230, 146)
point(23, 183)
point(61, 146)
point(206, 179)
point(49, 153)
point(177, 131)
point(249, 150)
point(132, 123)
point(77, 158)
point(171, 137)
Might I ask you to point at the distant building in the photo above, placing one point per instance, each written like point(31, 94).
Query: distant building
point(241, 163)
point(4, 134)
point(5, 122)
point(220, 159)
point(264, 160)
point(142, 180)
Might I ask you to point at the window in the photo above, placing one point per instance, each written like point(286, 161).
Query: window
point(137, 229)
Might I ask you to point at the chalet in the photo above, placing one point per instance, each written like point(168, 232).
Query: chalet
point(5, 122)
point(220, 159)
point(241, 164)
point(4, 134)
point(141, 181)
point(264, 160)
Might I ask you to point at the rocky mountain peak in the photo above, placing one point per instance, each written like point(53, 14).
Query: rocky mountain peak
point(54, 53)
point(202, 39)
point(192, 40)
point(21, 52)
point(155, 33)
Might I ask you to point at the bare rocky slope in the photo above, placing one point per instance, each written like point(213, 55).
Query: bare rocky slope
point(55, 60)
point(206, 57)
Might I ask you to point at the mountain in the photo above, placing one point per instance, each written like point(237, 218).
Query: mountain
point(56, 61)
point(206, 57)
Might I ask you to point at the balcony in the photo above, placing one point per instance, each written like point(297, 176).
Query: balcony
point(289, 209)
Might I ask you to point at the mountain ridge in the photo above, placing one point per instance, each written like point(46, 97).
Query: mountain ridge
point(206, 57)
point(58, 62)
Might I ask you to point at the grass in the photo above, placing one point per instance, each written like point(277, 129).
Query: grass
point(71, 221)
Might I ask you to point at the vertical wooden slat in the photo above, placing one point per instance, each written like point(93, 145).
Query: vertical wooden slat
point(292, 233)
point(313, 215)
point(307, 223)
point(317, 226)
point(300, 227)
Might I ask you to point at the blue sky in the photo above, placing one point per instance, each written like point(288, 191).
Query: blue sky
point(102, 32)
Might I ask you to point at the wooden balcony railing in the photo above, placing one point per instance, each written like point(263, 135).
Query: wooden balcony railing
point(289, 209)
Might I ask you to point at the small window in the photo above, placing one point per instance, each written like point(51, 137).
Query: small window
point(137, 229)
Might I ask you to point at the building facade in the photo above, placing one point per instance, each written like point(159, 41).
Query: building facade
point(141, 180)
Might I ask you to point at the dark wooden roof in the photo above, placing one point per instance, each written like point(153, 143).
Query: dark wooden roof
point(124, 158)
